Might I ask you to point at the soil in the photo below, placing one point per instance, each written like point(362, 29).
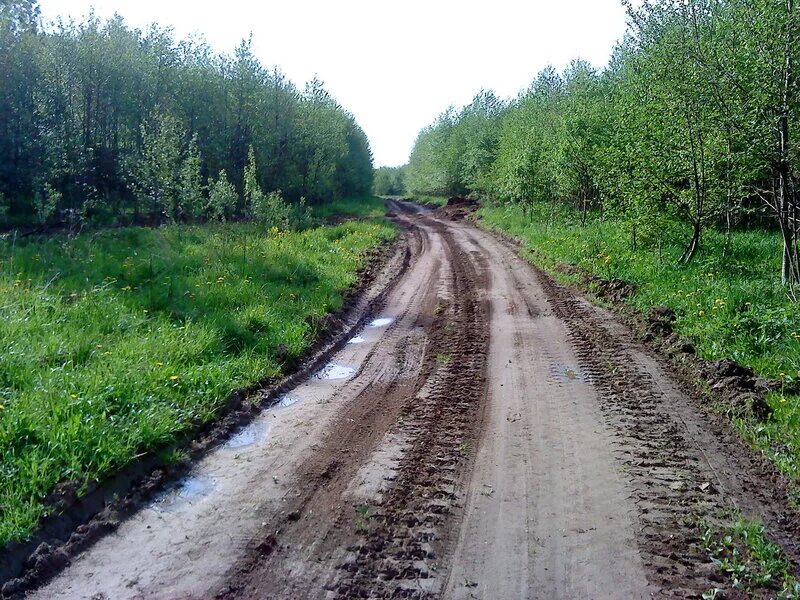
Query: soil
point(493, 435)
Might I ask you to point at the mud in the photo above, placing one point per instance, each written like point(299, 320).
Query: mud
point(499, 437)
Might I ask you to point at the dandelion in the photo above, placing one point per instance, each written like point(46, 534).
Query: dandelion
point(174, 378)
point(702, 313)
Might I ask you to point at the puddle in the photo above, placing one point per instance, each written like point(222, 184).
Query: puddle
point(568, 375)
point(190, 489)
point(255, 432)
point(383, 322)
point(287, 400)
point(357, 340)
point(335, 371)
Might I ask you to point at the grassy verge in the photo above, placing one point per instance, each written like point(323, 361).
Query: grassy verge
point(113, 343)
point(731, 305)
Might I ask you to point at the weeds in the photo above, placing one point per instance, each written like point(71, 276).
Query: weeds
point(752, 563)
point(362, 518)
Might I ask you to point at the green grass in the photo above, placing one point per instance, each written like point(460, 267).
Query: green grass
point(371, 207)
point(114, 343)
point(731, 306)
point(752, 564)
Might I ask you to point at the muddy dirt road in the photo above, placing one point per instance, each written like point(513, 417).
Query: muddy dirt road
point(489, 435)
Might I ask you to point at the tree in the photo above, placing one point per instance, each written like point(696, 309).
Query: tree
point(125, 124)
point(156, 173)
point(190, 193)
point(222, 198)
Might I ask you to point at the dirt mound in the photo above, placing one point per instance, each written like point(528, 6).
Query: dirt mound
point(660, 322)
point(458, 208)
point(739, 386)
point(459, 201)
point(615, 290)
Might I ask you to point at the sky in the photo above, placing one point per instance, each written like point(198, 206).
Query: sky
point(394, 65)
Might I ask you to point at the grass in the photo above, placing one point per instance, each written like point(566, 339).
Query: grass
point(114, 343)
point(731, 306)
point(371, 207)
point(753, 565)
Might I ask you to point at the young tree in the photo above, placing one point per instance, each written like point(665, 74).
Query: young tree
point(222, 198)
point(191, 193)
point(156, 173)
point(45, 202)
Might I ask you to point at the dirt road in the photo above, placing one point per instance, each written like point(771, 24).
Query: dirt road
point(489, 435)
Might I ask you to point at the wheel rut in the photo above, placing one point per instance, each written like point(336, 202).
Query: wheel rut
point(492, 436)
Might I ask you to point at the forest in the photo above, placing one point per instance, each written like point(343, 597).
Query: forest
point(692, 127)
point(106, 124)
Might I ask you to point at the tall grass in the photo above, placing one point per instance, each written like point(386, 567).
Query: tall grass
point(730, 303)
point(112, 343)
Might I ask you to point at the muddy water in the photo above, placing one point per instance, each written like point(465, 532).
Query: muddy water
point(333, 371)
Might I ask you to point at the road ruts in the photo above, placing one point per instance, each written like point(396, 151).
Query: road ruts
point(496, 437)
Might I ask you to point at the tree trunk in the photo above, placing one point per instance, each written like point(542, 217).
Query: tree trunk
point(694, 244)
point(786, 212)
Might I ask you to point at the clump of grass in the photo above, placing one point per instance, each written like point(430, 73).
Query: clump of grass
point(731, 304)
point(114, 343)
point(752, 563)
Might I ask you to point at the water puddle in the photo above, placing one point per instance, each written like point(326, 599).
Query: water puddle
point(191, 489)
point(247, 436)
point(568, 375)
point(334, 371)
point(357, 340)
point(382, 322)
point(286, 401)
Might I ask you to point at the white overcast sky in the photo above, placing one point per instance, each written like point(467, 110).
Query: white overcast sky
point(395, 65)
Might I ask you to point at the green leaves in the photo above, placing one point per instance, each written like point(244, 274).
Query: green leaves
point(127, 125)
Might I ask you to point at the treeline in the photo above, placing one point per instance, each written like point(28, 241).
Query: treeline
point(693, 124)
point(110, 124)
point(389, 181)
